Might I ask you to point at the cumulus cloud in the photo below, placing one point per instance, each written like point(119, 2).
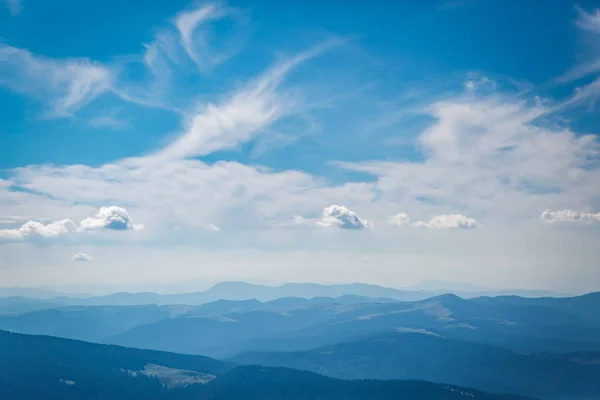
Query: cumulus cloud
point(452, 221)
point(550, 216)
point(341, 217)
point(399, 219)
point(82, 257)
point(109, 218)
point(38, 229)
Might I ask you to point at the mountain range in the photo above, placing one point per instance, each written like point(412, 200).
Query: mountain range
point(41, 367)
point(247, 291)
point(546, 348)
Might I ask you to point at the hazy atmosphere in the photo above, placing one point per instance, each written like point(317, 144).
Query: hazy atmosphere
point(299, 200)
point(177, 145)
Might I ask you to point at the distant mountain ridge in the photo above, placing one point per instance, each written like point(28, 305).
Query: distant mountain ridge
point(246, 291)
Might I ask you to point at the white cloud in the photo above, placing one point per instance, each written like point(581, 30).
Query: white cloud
point(10, 234)
point(38, 229)
point(492, 155)
point(399, 219)
point(82, 257)
point(476, 83)
point(340, 216)
point(589, 24)
point(190, 39)
point(67, 85)
point(110, 120)
point(194, 40)
point(566, 215)
point(243, 115)
point(483, 157)
point(296, 221)
point(169, 193)
point(589, 21)
point(109, 218)
point(447, 221)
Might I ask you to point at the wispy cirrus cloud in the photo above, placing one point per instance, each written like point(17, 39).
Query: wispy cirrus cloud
point(110, 119)
point(213, 228)
point(193, 28)
point(588, 22)
point(243, 114)
point(484, 154)
point(65, 85)
point(188, 39)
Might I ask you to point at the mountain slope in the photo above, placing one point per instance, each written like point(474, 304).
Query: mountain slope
point(85, 323)
point(256, 383)
point(520, 328)
point(190, 333)
point(41, 367)
point(584, 306)
point(427, 356)
point(225, 328)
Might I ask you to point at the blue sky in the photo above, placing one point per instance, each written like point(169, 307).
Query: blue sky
point(385, 142)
